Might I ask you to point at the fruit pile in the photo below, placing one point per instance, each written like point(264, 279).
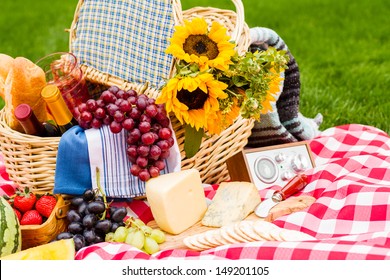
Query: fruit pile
point(93, 220)
point(90, 219)
point(139, 235)
point(31, 208)
point(149, 135)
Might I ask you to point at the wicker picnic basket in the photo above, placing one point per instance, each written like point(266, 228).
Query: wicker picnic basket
point(34, 235)
point(30, 160)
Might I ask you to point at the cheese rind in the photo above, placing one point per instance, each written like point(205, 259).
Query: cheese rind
point(177, 200)
point(232, 203)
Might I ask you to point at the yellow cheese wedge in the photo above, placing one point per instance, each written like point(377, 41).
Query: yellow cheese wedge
point(232, 203)
point(177, 200)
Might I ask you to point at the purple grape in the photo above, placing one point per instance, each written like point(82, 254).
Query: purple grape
point(145, 118)
point(128, 124)
point(113, 89)
point(155, 152)
point(100, 113)
point(119, 116)
point(134, 136)
point(107, 96)
point(135, 113)
point(135, 169)
point(144, 175)
point(96, 123)
point(165, 133)
point(151, 110)
point(86, 116)
point(115, 127)
point(159, 164)
point(132, 151)
point(91, 105)
point(82, 107)
point(154, 171)
point(144, 127)
point(148, 138)
point(143, 150)
point(125, 106)
point(112, 109)
point(163, 144)
point(142, 161)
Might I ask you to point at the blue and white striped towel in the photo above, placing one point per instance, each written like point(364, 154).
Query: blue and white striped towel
point(107, 151)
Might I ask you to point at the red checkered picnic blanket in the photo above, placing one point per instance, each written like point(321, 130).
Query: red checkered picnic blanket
point(350, 218)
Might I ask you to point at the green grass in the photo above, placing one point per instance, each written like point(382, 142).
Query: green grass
point(342, 48)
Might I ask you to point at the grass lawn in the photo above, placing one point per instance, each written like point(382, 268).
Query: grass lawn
point(342, 48)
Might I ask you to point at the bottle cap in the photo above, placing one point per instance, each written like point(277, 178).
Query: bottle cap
point(51, 93)
point(23, 112)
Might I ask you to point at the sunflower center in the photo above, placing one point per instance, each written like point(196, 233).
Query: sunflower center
point(201, 45)
point(194, 100)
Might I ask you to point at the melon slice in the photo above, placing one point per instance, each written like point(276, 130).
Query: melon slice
point(58, 250)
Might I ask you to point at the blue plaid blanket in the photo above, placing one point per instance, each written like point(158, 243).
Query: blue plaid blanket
point(126, 39)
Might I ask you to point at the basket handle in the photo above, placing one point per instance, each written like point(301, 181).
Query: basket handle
point(240, 21)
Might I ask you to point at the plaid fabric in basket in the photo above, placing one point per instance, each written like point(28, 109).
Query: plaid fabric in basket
point(350, 218)
point(126, 39)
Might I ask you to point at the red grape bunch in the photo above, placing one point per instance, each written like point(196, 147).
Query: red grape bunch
point(149, 135)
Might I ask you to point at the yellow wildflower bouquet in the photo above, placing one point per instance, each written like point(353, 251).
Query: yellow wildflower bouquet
point(213, 85)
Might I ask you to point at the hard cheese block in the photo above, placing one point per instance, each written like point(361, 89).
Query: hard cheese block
point(232, 203)
point(177, 200)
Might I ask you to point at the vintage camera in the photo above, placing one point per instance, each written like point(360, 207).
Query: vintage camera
point(272, 165)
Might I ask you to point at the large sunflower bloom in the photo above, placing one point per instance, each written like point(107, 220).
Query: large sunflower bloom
point(193, 100)
point(194, 43)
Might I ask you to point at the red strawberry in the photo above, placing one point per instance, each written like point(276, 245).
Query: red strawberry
point(45, 205)
point(25, 200)
point(31, 217)
point(18, 214)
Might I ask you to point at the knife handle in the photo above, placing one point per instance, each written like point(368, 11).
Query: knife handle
point(296, 184)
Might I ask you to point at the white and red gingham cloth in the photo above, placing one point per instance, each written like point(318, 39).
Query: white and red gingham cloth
point(350, 218)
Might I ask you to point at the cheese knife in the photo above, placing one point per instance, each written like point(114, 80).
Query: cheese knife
point(296, 184)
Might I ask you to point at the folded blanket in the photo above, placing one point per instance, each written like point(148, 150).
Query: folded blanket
point(72, 175)
point(107, 152)
point(81, 153)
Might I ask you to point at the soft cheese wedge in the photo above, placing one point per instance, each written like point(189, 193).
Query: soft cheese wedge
point(177, 200)
point(232, 203)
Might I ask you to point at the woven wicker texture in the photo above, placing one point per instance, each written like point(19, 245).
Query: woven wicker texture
point(30, 160)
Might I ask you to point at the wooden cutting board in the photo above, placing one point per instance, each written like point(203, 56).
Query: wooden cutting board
point(290, 205)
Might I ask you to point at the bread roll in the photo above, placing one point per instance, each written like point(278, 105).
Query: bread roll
point(5, 65)
point(24, 83)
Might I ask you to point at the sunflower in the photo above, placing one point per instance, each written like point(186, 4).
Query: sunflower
point(194, 43)
point(223, 119)
point(193, 100)
point(274, 87)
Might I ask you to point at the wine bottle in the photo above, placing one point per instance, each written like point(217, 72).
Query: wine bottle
point(58, 108)
point(31, 125)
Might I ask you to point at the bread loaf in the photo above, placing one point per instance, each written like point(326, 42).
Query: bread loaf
point(23, 84)
point(5, 65)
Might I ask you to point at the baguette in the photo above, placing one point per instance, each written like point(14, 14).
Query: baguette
point(5, 65)
point(23, 84)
